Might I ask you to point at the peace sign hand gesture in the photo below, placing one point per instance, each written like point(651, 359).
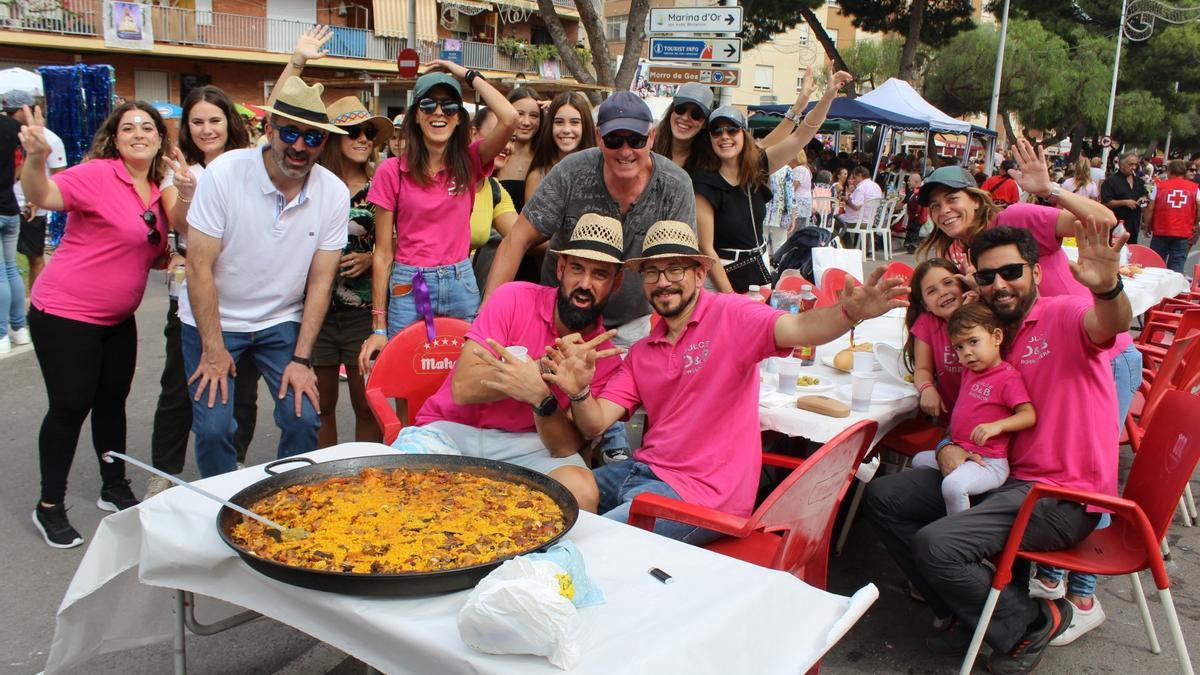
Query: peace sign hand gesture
point(184, 181)
point(33, 134)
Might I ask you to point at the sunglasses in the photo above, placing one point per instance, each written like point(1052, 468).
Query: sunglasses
point(313, 138)
point(152, 235)
point(690, 110)
point(448, 105)
point(1010, 272)
point(615, 141)
point(368, 130)
point(723, 130)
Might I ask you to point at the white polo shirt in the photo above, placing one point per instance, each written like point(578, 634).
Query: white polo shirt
point(267, 243)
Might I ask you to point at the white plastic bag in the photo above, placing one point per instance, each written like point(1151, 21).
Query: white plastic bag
point(828, 257)
point(519, 609)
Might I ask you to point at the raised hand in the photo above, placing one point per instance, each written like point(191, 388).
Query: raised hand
point(572, 361)
point(184, 181)
point(33, 135)
point(838, 80)
point(1032, 173)
point(1099, 261)
point(874, 298)
point(310, 45)
point(447, 67)
point(516, 379)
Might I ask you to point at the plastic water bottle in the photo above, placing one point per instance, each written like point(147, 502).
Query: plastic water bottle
point(808, 300)
point(755, 294)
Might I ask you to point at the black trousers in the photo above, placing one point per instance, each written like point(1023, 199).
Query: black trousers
point(173, 416)
point(943, 555)
point(87, 368)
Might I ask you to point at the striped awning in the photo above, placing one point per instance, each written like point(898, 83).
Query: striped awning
point(391, 19)
point(468, 5)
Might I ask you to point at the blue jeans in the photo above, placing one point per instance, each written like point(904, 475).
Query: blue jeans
point(1174, 251)
point(452, 292)
point(214, 427)
point(619, 483)
point(12, 287)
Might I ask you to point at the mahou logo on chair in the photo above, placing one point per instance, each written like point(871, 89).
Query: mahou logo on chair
point(438, 356)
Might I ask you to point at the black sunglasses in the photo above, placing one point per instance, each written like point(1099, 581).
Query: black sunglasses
point(689, 109)
point(368, 130)
point(723, 130)
point(151, 221)
point(448, 105)
point(615, 141)
point(1010, 272)
point(313, 138)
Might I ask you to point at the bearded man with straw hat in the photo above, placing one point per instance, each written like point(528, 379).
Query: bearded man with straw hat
point(698, 365)
point(266, 230)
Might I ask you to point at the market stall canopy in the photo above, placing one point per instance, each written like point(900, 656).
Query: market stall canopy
point(981, 131)
point(770, 121)
point(899, 96)
point(854, 110)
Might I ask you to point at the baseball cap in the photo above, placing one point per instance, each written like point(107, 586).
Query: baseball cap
point(728, 112)
point(430, 80)
point(694, 92)
point(953, 177)
point(15, 98)
point(624, 111)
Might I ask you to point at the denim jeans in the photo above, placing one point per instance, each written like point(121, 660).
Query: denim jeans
point(452, 292)
point(619, 483)
point(214, 427)
point(12, 287)
point(1174, 251)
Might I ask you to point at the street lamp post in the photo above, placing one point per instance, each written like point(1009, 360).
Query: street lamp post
point(1112, 96)
point(995, 106)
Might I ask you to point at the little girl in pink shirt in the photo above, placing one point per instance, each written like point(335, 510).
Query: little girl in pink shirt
point(992, 404)
point(936, 293)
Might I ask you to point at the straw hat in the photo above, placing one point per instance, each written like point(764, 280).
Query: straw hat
point(348, 111)
point(670, 239)
point(596, 237)
point(300, 102)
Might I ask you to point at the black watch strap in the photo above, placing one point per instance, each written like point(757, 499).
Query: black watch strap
point(547, 407)
point(307, 363)
point(1112, 295)
point(470, 77)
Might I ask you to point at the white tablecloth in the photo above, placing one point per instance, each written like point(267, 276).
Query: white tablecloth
point(720, 616)
point(1151, 286)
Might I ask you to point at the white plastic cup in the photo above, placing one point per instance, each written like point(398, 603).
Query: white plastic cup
point(862, 384)
point(773, 365)
point(864, 362)
point(518, 352)
point(789, 371)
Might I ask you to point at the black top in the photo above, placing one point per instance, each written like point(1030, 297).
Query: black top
point(1116, 186)
point(516, 190)
point(10, 145)
point(733, 227)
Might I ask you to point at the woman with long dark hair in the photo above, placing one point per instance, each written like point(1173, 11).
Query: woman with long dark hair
point(529, 107)
point(680, 135)
point(82, 318)
point(569, 128)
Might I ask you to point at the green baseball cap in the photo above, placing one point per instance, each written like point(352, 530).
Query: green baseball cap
point(430, 80)
point(953, 177)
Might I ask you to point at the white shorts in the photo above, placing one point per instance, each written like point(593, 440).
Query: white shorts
point(523, 449)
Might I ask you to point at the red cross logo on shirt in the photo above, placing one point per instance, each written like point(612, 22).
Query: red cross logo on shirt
point(1176, 198)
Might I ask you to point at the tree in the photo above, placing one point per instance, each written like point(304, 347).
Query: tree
point(763, 19)
point(606, 73)
point(874, 61)
point(933, 22)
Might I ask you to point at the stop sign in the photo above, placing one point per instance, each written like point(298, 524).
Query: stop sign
point(407, 62)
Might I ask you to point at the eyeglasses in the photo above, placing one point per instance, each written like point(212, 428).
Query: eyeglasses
point(674, 274)
point(448, 105)
point(723, 130)
point(690, 110)
point(151, 221)
point(615, 141)
point(369, 130)
point(288, 133)
point(1010, 272)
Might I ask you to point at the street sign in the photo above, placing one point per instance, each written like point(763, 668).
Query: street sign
point(408, 61)
point(713, 77)
point(696, 50)
point(451, 51)
point(666, 20)
point(1106, 141)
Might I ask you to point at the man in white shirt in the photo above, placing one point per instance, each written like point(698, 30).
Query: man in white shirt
point(862, 188)
point(32, 241)
point(1097, 171)
point(266, 230)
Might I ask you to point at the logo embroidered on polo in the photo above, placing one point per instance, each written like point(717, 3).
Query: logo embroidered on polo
point(981, 391)
point(950, 360)
point(695, 357)
point(1036, 349)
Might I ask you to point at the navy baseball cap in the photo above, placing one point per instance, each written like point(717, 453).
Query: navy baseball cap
point(624, 111)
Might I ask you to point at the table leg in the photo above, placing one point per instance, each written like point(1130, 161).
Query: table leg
point(189, 617)
point(179, 647)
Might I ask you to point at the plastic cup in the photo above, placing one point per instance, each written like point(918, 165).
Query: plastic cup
point(773, 365)
point(518, 352)
point(862, 384)
point(789, 370)
point(864, 362)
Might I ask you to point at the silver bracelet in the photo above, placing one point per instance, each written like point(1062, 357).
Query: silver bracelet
point(577, 398)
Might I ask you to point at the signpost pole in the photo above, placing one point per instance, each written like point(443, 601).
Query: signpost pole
point(727, 92)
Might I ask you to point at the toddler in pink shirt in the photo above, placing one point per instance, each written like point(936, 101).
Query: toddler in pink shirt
point(992, 404)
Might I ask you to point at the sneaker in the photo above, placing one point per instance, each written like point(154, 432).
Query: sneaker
point(616, 455)
point(1031, 647)
point(155, 485)
point(1082, 621)
point(116, 497)
point(952, 639)
point(5, 345)
point(1039, 589)
point(20, 336)
point(55, 528)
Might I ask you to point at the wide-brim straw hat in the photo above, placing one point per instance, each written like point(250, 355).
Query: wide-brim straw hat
point(596, 237)
point(302, 103)
point(348, 111)
point(671, 239)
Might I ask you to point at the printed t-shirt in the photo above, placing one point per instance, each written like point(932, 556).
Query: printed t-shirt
point(517, 313)
point(947, 369)
point(98, 273)
point(986, 397)
point(701, 400)
point(432, 223)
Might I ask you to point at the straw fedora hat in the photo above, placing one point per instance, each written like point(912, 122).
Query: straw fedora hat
point(671, 239)
point(596, 237)
point(300, 102)
point(348, 111)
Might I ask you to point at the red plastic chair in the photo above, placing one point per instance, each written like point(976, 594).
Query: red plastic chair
point(1145, 256)
point(1141, 516)
point(1185, 351)
point(411, 368)
point(833, 281)
point(899, 269)
point(793, 284)
point(914, 435)
point(791, 530)
point(1159, 334)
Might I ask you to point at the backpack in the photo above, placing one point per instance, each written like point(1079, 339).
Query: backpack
point(796, 252)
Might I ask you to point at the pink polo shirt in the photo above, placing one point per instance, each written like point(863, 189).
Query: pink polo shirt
point(518, 313)
point(947, 370)
point(701, 400)
point(433, 224)
point(1070, 384)
point(98, 273)
point(987, 397)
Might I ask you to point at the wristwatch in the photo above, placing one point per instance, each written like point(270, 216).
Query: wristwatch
point(307, 363)
point(547, 407)
point(470, 77)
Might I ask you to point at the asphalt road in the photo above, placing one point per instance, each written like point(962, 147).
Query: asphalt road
point(889, 639)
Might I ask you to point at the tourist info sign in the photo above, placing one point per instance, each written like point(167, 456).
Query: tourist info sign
point(696, 50)
point(668, 20)
point(713, 77)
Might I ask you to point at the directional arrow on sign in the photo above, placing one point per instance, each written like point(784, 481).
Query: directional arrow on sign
point(675, 20)
point(730, 50)
point(696, 49)
point(713, 77)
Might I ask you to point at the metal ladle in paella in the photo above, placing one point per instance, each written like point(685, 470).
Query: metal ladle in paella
point(400, 520)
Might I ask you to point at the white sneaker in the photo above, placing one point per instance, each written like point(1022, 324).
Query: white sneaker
point(1082, 621)
point(20, 336)
point(155, 485)
point(1037, 589)
point(5, 345)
